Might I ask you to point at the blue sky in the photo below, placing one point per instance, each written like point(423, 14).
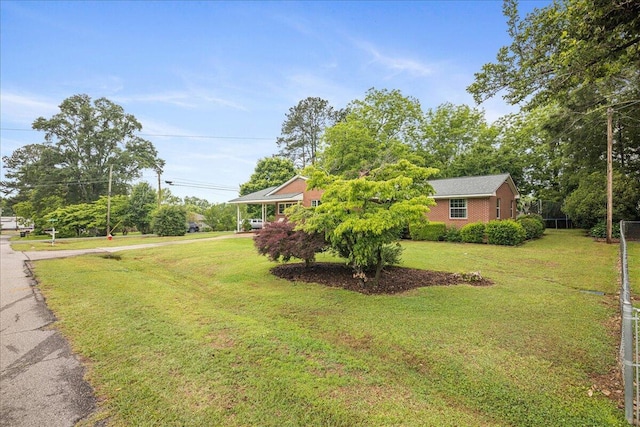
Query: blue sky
point(211, 82)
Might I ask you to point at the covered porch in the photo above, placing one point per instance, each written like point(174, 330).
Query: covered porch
point(265, 198)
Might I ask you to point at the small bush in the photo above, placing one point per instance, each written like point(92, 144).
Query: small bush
point(505, 232)
point(473, 233)
point(280, 241)
point(169, 220)
point(537, 217)
point(532, 227)
point(599, 231)
point(453, 235)
point(432, 231)
point(392, 254)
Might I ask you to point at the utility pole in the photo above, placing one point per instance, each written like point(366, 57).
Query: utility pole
point(159, 189)
point(609, 173)
point(109, 204)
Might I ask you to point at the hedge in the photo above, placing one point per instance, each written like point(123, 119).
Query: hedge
point(532, 227)
point(432, 231)
point(473, 232)
point(505, 232)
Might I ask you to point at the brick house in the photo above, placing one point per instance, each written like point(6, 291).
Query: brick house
point(459, 201)
point(290, 193)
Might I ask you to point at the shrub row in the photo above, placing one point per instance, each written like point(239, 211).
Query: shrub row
point(433, 231)
point(497, 232)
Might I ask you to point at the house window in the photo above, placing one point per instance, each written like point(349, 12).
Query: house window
point(457, 208)
point(511, 210)
point(315, 203)
point(498, 208)
point(283, 206)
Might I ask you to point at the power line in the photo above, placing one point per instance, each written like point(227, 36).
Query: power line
point(177, 183)
point(256, 138)
point(67, 183)
point(210, 137)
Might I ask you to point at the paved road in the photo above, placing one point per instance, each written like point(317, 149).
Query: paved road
point(41, 381)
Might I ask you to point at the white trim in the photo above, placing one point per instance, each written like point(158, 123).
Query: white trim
point(464, 196)
point(466, 208)
point(297, 198)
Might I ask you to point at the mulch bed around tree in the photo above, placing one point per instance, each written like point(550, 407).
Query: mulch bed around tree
point(392, 280)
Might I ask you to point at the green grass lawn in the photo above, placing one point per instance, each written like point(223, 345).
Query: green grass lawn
point(202, 334)
point(41, 243)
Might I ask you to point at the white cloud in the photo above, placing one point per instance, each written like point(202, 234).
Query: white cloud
point(397, 65)
point(191, 98)
point(23, 109)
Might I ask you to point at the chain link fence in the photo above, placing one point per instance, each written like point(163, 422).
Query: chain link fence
point(550, 211)
point(629, 349)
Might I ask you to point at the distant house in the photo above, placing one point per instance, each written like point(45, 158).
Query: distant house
point(15, 223)
point(459, 201)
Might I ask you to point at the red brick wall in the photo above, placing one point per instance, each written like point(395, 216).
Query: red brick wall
point(311, 195)
point(297, 186)
point(478, 209)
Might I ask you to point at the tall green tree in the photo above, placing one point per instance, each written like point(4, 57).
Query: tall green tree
point(582, 57)
point(380, 129)
point(81, 143)
point(458, 141)
point(269, 172)
point(141, 204)
point(531, 152)
point(563, 48)
point(303, 129)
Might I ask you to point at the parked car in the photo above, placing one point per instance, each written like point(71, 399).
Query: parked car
point(193, 227)
point(256, 223)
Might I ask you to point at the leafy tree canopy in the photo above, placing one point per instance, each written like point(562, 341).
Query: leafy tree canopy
point(587, 205)
point(381, 129)
point(562, 48)
point(221, 217)
point(140, 206)
point(169, 220)
point(81, 143)
point(577, 58)
point(303, 129)
point(196, 204)
point(269, 172)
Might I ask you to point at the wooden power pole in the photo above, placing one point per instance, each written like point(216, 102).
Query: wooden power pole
point(609, 173)
point(109, 203)
point(159, 189)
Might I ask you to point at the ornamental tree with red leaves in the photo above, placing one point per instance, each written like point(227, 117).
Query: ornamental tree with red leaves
point(281, 242)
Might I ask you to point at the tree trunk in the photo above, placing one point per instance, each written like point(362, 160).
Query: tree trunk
point(379, 266)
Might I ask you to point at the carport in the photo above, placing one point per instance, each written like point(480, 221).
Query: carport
point(267, 197)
